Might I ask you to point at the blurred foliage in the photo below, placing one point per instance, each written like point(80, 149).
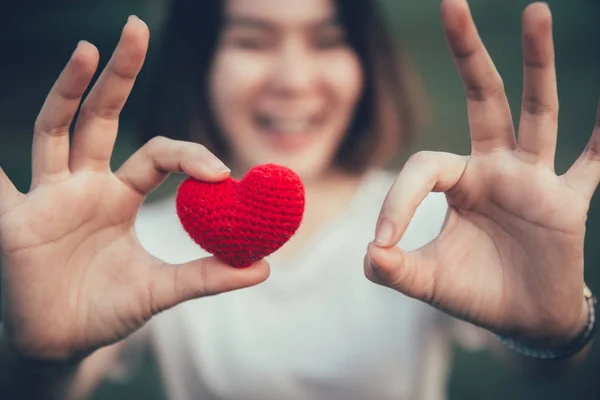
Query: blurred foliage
point(37, 37)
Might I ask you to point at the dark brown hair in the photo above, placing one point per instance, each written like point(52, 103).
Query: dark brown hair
point(179, 107)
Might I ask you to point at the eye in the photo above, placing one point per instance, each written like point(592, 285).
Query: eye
point(249, 41)
point(331, 37)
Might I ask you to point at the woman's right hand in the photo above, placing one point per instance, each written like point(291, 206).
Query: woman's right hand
point(74, 276)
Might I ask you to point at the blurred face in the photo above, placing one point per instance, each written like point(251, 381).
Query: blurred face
point(284, 83)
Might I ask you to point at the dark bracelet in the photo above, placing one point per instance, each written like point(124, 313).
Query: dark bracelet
point(565, 351)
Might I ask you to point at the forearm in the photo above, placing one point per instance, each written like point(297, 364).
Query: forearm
point(561, 355)
point(532, 368)
point(26, 379)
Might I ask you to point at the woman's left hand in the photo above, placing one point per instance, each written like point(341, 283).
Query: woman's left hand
point(510, 254)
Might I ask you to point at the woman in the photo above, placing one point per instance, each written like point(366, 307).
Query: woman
point(295, 83)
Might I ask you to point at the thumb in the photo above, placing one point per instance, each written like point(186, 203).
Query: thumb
point(411, 273)
point(174, 284)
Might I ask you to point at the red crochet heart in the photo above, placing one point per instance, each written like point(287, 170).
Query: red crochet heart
point(241, 222)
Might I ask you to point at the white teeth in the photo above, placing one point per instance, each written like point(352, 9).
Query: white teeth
point(288, 125)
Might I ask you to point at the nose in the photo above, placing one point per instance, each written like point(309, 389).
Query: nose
point(293, 70)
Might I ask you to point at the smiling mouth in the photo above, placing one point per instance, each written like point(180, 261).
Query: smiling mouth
point(286, 126)
point(290, 133)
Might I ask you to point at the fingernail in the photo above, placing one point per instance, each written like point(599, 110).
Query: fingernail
point(132, 17)
point(384, 233)
point(80, 43)
point(376, 271)
point(372, 264)
point(218, 166)
point(77, 47)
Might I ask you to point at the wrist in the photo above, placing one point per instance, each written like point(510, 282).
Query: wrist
point(583, 320)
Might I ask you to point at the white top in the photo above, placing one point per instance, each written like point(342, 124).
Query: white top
point(316, 329)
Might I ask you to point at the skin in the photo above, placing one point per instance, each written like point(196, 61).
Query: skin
point(69, 250)
point(509, 258)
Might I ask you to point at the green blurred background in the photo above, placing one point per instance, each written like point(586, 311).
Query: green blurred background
point(37, 37)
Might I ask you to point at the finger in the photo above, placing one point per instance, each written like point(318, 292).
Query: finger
point(9, 195)
point(411, 273)
point(97, 125)
point(149, 166)
point(173, 284)
point(584, 174)
point(423, 173)
point(539, 110)
point(50, 149)
point(490, 120)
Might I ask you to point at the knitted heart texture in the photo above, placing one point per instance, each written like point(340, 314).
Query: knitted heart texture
point(241, 222)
